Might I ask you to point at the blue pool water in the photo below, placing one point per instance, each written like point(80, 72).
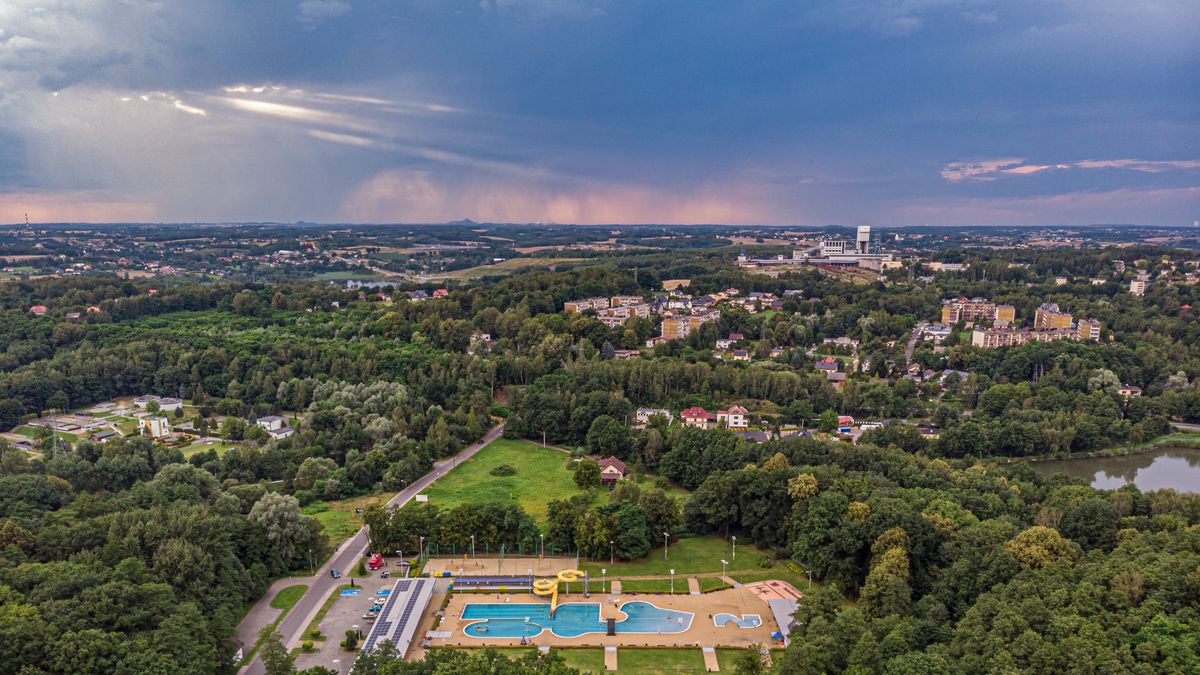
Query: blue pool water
point(570, 620)
point(743, 621)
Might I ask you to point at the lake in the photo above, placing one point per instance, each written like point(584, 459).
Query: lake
point(1177, 468)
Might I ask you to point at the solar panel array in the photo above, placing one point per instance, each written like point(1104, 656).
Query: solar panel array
point(398, 620)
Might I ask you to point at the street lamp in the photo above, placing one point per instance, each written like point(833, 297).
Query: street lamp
point(472, 547)
point(724, 563)
point(542, 552)
point(611, 560)
point(666, 543)
point(421, 553)
point(735, 547)
point(604, 578)
point(672, 581)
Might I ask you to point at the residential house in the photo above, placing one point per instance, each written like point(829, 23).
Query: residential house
point(275, 425)
point(38, 310)
point(156, 427)
point(643, 415)
point(827, 364)
point(1129, 391)
point(754, 436)
point(697, 417)
point(736, 417)
point(611, 470)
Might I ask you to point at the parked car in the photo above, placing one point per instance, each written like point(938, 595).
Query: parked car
point(333, 572)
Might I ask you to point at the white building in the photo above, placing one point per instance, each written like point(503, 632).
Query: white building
point(275, 425)
point(156, 427)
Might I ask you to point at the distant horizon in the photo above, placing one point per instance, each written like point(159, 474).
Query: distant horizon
point(459, 223)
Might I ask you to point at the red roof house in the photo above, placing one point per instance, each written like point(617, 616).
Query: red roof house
point(611, 470)
point(697, 417)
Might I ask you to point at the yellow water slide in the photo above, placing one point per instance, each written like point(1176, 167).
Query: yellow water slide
point(550, 586)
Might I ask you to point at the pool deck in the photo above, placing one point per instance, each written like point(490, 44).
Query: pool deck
point(702, 632)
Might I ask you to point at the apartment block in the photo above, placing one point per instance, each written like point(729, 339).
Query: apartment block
point(676, 327)
point(576, 306)
point(1050, 317)
point(1088, 329)
point(617, 315)
point(625, 300)
point(976, 310)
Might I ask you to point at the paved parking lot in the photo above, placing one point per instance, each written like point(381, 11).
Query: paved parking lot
point(347, 611)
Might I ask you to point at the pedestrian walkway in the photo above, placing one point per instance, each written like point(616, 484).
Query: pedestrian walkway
point(610, 658)
point(710, 659)
point(615, 587)
point(693, 586)
point(731, 582)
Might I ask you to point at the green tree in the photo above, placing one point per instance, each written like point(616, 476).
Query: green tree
point(587, 474)
point(284, 524)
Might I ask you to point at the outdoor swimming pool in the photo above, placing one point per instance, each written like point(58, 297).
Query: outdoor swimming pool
point(743, 621)
point(572, 619)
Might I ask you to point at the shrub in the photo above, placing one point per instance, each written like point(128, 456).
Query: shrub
point(503, 470)
point(315, 634)
point(306, 646)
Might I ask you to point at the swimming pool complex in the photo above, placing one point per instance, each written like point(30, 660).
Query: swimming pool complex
point(571, 619)
point(743, 621)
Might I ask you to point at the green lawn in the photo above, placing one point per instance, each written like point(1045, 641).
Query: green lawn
point(727, 659)
point(287, 597)
point(779, 572)
point(31, 432)
point(708, 584)
point(655, 585)
point(339, 518)
point(205, 446)
point(686, 556)
point(658, 661)
point(541, 476)
point(587, 660)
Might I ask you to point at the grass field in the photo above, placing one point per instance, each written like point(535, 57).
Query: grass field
point(287, 597)
point(655, 585)
point(727, 659)
point(660, 661)
point(686, 556)
point(779, 572)
point(586, 660)
point(205, 446)
point(708, 584)
point(339, 518)
point(541, 476)
point(30, 432)
point(505, 267)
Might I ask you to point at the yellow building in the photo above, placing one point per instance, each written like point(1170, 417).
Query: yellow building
point(1005, 314)
point(1050, 317)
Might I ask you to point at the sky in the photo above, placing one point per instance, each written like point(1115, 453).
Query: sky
point(805, 112)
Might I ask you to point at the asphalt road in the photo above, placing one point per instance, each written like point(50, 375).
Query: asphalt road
point(348, 554)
